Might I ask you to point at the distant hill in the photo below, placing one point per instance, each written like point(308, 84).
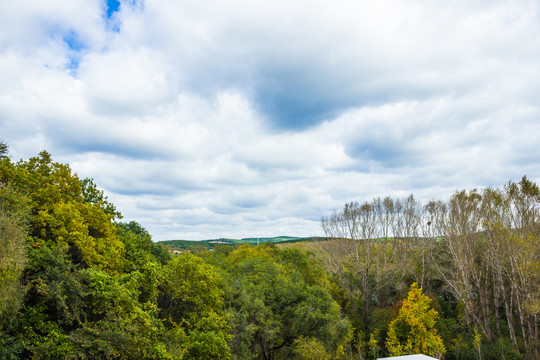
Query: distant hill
point(209, 244)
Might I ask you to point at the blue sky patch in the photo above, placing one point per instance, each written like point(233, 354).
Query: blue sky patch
point(76, 46)
point(112, 7)
point(73, 41)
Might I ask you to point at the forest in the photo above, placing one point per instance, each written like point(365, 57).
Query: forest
point(453, 279)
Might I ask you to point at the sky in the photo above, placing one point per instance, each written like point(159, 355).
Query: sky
point(249, 118)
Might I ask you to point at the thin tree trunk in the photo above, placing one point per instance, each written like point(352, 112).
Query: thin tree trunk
point(509, 316)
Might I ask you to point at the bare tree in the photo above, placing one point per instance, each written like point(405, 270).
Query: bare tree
point(352, 229)
point(385, 271)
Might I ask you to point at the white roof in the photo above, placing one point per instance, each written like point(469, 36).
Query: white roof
point(409, 357)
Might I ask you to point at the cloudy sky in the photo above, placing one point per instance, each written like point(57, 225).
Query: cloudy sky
point(205, 119)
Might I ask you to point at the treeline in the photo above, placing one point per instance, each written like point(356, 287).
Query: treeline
point(457, 280)
point(478, 254)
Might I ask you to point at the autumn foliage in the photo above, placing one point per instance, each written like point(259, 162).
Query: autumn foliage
point(413, 331)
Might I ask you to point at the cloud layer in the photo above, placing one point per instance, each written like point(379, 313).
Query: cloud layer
point(210, 119)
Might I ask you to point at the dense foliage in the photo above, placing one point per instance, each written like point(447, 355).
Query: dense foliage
point(455, 280)
point(76, 283)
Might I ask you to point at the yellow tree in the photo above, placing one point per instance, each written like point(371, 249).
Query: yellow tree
point(413, 331)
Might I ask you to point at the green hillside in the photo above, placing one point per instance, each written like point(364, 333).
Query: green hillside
point(209, 244)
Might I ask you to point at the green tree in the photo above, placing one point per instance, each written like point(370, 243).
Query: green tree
point(60, 215)
point(413, 331)
point(54, 303)
point(92, 194)
point(3, 149)
point(139, 247)
point(191, 299)
point(310, 349)
point(277, 306)
point(14, 212)
point(119, 326)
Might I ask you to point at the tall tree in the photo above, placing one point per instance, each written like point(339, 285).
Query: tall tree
point(353, 228)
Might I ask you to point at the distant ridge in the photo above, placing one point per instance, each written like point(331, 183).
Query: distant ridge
point(210, 243)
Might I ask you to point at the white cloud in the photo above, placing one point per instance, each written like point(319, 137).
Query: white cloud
point(211, 119)
point(124, 83)
point(27, 25)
